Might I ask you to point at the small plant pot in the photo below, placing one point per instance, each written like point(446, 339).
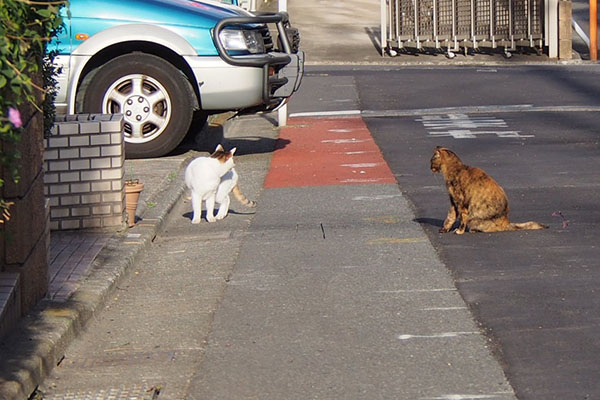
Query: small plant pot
point(132, 196)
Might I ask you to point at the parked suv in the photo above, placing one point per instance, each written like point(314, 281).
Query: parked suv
point(160, 62)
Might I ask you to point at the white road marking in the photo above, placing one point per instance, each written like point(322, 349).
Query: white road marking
point(341, 130)
point(468, 134)
point(377, 197)
point(418, 290)
point(363, 165)
point(176, 252)
point(361, 180)
point(437, 335)
point(463, 126)
point(459, 121)
point(499, 395)
point(344, 141)
point(325, 113)
point(492, 109)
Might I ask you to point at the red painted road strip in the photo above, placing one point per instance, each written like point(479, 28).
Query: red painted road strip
point(331, 151)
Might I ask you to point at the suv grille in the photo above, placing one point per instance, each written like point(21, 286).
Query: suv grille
point(268, 39)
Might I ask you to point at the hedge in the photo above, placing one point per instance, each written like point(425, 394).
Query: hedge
point(26, 28)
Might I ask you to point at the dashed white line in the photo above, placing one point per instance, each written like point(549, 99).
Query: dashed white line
point(344, 141)
point(418, 290)
point(325, 113)
point(376, 197)
point(499, 395)
point(363, 165)
point(437, 335)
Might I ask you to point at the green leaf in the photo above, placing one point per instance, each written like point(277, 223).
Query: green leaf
point(23, 34)
point(44, 13)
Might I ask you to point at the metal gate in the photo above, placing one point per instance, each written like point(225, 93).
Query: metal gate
point(453, 25)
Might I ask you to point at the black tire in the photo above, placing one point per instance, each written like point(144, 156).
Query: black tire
point(155, 98)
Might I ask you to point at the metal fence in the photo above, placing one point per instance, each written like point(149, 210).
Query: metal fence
point(453, 25)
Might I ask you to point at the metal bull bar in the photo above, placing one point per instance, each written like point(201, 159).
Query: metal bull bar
point(453, 25)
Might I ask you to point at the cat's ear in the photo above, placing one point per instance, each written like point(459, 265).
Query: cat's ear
point(219, 148)
point(232, 151)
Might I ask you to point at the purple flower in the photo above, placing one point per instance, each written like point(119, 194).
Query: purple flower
point(14, 116)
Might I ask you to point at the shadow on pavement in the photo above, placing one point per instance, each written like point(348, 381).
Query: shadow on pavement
point(438, 223)
point(207, 137)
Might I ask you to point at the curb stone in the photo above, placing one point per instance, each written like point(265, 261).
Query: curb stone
point(41, 338)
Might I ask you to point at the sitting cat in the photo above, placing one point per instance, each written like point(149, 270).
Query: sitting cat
point(210, 179)
point(475, 197)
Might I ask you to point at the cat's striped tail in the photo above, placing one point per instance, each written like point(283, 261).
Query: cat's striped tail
point(241, 198)
point(528, 225)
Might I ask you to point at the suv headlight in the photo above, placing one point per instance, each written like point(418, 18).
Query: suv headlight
point(237, 40)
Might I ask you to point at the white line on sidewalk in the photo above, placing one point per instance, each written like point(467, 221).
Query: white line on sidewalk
point(499, 395)
point(418, 290)
point(326, 113)
point(437, 336)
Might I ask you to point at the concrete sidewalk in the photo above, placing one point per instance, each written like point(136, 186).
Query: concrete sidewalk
point(72, 253)
point(337, 292)
point(85, 268)
point(330, 290)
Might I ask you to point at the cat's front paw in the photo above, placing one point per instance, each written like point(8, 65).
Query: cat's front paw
point(444, 230)
point(196, 221)
point(220, 217)
point(459, 231)
point(211, 219)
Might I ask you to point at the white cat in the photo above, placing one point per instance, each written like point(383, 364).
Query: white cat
point(211, 179)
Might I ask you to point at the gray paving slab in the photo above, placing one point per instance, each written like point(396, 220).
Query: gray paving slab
point(150, 334)
point(338, 294)
point(71, 256)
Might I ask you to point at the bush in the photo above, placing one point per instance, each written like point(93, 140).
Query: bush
point(26, 27)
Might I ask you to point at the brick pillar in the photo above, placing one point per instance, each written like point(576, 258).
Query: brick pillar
point(84, 172)
point(565, 31)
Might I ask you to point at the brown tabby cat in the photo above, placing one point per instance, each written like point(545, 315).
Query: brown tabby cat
point(475, 197)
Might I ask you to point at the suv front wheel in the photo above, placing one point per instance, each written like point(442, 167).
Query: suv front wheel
point(155, 98)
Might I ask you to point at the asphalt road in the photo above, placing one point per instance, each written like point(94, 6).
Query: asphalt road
point(535, 130)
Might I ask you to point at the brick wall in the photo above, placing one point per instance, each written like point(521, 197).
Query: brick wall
point(84, 172)
point(10, 301)
point(24, 238)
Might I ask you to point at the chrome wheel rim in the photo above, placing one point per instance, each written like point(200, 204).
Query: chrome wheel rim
point(144, 103)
